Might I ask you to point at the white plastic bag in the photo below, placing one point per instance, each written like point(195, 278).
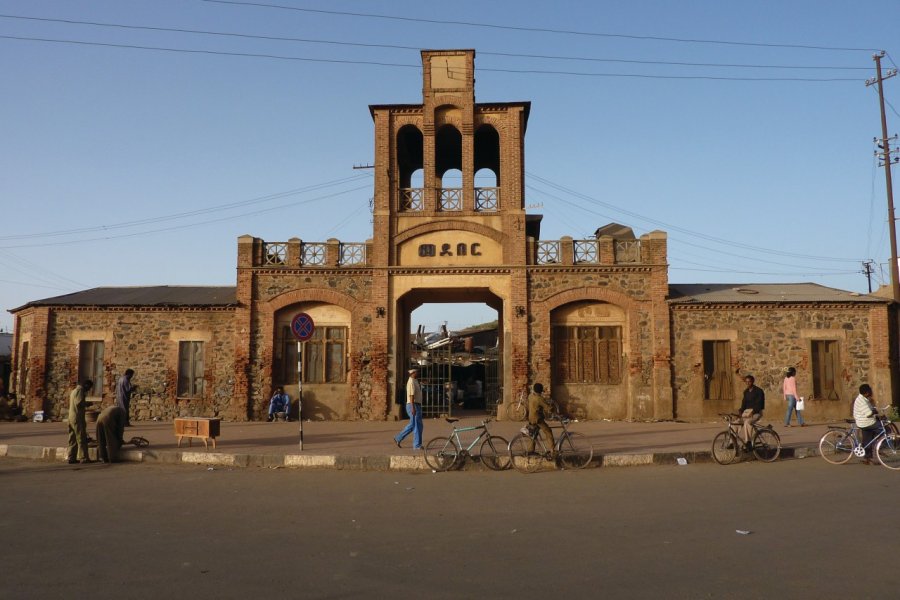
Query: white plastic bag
point(800, 403)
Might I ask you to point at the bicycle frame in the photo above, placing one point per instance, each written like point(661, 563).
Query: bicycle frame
point(445, 452)
point(728, 445)
point(854, 434)
point(571, 450)
point(457, 430)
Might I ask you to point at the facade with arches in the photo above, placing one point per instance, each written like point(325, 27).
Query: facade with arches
point(595, 320)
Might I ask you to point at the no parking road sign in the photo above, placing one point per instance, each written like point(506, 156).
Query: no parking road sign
point(302, 327)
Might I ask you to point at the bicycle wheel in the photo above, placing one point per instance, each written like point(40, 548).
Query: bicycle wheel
point(888, 451)
point(725, 448)
point(836, 447)
point(495, 453)
point(441, 453)
point(523, 460)
point(766, 445)
point(575, 451)
point(516, 411)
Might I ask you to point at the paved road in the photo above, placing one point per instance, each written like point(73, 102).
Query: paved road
point(156, 531)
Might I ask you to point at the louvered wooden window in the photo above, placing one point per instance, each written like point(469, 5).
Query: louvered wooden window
point(90, 365)
point(190, 369)
point(591, 354)
point(825, 369)
point(717, 382)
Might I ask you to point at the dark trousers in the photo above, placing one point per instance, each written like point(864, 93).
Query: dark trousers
point(868, 434)
point(108, 442)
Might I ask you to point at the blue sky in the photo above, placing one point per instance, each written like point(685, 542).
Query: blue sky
point(129, 166)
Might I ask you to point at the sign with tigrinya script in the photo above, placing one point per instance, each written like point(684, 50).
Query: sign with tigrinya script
point(450, 249)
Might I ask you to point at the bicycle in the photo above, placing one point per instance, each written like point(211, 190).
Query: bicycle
point(728, 446)
point(444, 453)
point(571, 451)
point(839, 444)
point(518, 410)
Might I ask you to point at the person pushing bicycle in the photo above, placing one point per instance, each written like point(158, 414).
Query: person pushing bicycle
point(538, 409)
point(866, 416)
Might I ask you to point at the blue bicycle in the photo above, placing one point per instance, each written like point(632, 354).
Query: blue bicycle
point(839, 444)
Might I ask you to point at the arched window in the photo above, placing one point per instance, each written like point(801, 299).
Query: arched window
point(448, 167)
point(487, 169)
point(409, 153)
point(409, 166)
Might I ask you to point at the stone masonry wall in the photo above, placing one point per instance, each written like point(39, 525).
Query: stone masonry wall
point(146, 341)
point(764, 342)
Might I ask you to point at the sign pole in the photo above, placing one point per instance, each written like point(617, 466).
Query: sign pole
point(300, 389)
point(303, 327)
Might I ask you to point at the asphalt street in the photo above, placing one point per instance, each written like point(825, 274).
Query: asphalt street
point(158, 531)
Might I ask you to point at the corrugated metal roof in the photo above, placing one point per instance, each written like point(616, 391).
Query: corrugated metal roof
point(759, 293)
point(160, 295)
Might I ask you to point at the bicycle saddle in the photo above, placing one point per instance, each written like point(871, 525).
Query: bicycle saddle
point(449, 420)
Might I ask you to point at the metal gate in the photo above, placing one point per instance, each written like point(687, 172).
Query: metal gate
point(437, 383)
point(493, 389)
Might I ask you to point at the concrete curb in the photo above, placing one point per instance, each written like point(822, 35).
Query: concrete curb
point(359, 462)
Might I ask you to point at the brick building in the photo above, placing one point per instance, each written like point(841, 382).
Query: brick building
point(596, 320)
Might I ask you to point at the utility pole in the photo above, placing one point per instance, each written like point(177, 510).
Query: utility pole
point(867, 271)
point(885, 147)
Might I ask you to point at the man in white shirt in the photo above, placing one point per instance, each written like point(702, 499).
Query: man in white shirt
point(414, 410)
point(866, 417)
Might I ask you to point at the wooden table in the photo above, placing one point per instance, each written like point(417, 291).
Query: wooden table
point(205, 428)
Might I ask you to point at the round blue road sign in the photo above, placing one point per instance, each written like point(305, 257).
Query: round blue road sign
point(302, 327)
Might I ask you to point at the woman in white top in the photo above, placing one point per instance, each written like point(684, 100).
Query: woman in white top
point(790, 398)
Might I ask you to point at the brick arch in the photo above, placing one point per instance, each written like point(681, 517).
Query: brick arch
point(588, 293)
point(327, 296)
point(424, 228)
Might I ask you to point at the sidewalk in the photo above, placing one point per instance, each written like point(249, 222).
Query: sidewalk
point(364, 445)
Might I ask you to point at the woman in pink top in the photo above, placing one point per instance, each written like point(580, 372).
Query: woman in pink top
point(790, 397)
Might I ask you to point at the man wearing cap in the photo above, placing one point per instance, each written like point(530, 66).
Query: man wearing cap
point(414, 410)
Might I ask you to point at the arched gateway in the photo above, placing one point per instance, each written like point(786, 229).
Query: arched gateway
point(595, 320)
point(437, 243)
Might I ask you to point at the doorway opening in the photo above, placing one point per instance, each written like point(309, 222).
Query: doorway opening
point(455, 342)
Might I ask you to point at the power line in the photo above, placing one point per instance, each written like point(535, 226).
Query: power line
point(674, 268)
point(210, 52)
point(682, 229)
point(49, 287)
point(416, 66)
point(539, 29)
point(188, 225)
point(680, 241)
point(182, 215)
point(416, 48)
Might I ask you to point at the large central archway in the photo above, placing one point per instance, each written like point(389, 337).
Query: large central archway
point(459, 370)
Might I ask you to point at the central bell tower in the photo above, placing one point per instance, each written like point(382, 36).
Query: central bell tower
point(449, 208)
